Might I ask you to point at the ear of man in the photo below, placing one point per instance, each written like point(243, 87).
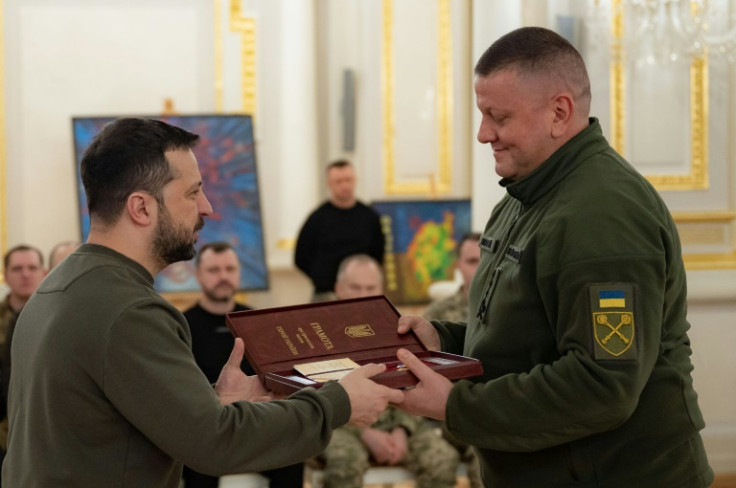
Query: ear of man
point(140, 208)
point(563, 107)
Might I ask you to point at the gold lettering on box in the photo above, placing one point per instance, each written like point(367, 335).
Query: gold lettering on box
point(287, 341)
point(303, 337)
point(322, 335)
point(363, 330)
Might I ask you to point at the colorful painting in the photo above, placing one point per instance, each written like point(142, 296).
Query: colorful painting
point(226, 157)
point(420, 239)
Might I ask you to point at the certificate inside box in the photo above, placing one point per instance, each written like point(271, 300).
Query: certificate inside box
point(306, 345)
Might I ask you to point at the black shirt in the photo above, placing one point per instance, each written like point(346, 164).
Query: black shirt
point(331, 234)
point(212, 341)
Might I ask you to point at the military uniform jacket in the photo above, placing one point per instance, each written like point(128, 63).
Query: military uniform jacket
point(104, 391)
point(577, 312)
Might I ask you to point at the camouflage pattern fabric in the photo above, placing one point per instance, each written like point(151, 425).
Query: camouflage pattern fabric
point(7, 315)
point(451, 309)
point(432, 459)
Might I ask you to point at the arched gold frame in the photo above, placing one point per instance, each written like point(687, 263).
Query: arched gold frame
point(697, 178)
point(432, 186)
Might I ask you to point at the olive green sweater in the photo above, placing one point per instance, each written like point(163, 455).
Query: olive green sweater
point(104, 391)
point(578, 313)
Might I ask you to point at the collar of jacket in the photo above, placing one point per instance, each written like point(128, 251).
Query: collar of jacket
point(566, 159)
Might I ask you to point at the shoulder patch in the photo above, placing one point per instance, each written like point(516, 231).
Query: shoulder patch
point(614, 327)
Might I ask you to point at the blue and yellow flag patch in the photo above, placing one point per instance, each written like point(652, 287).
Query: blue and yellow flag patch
point(614, 327)
point(612, 299)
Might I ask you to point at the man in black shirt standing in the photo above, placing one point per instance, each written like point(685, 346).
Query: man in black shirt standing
point(218, 274)
point(340, 227)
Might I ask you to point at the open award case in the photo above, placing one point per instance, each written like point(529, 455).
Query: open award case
point(305, 345)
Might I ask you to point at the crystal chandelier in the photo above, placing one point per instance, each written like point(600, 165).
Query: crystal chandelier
point(671, 31)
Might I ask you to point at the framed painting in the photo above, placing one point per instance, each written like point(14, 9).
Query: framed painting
point(226, 158)
point(421, 237)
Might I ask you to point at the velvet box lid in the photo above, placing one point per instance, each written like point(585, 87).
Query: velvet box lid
point(362, 329)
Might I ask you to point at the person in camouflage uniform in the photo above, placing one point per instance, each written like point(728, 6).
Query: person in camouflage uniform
point(23, 270)
point(455, 309)
point(396, 437)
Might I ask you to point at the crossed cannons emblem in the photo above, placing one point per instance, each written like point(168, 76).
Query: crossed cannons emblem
point(625, 320)
point(602, 319)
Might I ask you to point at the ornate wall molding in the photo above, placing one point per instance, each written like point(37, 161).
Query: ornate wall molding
point(697, 178)
point(246, 27)
point(442, 182)
point(704, 229)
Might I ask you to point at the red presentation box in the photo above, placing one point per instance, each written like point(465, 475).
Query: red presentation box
point(361, 329)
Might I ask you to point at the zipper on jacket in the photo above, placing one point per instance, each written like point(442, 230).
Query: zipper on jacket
point(485, 301)
point(491, 285)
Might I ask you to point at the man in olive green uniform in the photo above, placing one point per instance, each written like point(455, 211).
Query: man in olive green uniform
point(104, 389)
point(578, 307)
point(397, 438)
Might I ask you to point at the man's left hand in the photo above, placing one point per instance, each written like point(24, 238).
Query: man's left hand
point(429, 397)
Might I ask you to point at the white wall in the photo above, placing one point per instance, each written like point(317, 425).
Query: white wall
point(80, 57)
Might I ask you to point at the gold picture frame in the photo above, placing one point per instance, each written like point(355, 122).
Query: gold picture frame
point(697, 177)
point(433, 185)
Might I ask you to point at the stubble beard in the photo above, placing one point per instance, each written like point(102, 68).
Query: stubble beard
point(213, 296)
point(172, 244)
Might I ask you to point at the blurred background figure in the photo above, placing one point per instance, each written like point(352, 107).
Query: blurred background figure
point(23, 271)
point(358, 276)
point(340, 227)
point(60, 251)
point(455, 307)
point(218, 274)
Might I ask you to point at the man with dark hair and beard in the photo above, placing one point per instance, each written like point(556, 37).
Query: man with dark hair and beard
point(217, 269)
point(104, 390)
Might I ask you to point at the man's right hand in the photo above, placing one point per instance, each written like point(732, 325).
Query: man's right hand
point(422, 328)
point(367, 398)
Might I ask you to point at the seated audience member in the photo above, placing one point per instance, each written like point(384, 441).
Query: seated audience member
point(455, 309)
point(23, 270)
point(60, 251)
point(218, 275)
point(396, 438)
